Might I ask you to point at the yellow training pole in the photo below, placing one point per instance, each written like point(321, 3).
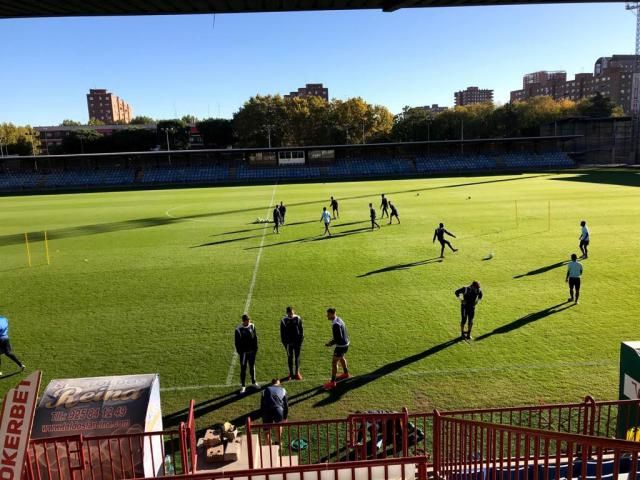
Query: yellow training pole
point(26, 242)
point(517, 221)
point(46, 247)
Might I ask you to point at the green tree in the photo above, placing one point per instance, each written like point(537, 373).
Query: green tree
point(178, 133)
point(19, 140)
point(95, 122)
point(142, 120)
point(70, 123)
point(261, 118)
point(216, 132)
point(189, 119)
point(82, 140)
point(596, 106)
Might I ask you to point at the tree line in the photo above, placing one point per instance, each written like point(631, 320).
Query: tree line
point(272, 120)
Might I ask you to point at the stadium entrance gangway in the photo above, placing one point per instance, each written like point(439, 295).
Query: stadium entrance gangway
point(473, 444)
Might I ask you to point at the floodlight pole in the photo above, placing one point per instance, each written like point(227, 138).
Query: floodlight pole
point(634, 8)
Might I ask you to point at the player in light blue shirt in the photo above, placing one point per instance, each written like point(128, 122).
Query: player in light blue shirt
point(574, 272)
point(326, 218)
point(5, 344)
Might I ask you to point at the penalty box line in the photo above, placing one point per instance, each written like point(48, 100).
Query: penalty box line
point(247, 303)
point(460, 372)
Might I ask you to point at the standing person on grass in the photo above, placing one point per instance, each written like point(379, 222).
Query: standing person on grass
point(277, 219)
point(372, 215)
point(384, 205)
point(334, 208)
point(5, 344)
point(469, 297)
point(246, 340)
point(292, 336)
point(340, 341)
point(439, 234)
point(326, 218)
point(394, 213)
point(283, 212)
point(574, 272)
point(584, 239)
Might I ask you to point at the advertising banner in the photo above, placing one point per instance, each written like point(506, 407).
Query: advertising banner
point(628, 426)
point(15, 425)
point(103, 406)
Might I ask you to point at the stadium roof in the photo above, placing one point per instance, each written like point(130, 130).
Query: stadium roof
point(75, 8)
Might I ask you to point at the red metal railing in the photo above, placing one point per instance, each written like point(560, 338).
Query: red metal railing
point(190, 436)
point(131, 455)
point(408, 468)
point(362, 436)
point(476, 450)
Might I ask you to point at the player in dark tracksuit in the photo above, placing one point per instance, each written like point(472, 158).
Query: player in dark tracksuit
point(283, 211)
point(274, 405)
point(372, 215)
point(384, 205)
point(439, 234)
point(292, 336)
point(469, 298)
point(334, 208)
point(5, 343)
point(277, 219)
point(394, 213)
point(246, 340)
point(341, 342)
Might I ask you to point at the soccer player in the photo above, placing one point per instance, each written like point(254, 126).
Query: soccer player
point(372, 215)
point(326, 218)
point(292, 336)
point(5, 344)
point(276, 219)
point(247, 348)
point(341, 342)
point(469, 298)
point(384, 205)
point(439, 234)
point(584, 239)
point(574, 272)
point(394, 213)
point(283, 212)
point(274, 405)
point(334, 208)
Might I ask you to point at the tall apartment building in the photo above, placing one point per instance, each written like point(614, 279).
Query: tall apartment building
point(107, 107)
point(612, 77)
point(311, 90)
point(434, 109)
point(473, 95)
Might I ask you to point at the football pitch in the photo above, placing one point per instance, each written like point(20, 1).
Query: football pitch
point(156, 281)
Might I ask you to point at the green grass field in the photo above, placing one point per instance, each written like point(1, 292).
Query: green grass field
point(156, 281)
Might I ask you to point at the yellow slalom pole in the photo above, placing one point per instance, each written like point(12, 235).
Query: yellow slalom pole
point(26, 242)
point(517, 220)
point(46, 247)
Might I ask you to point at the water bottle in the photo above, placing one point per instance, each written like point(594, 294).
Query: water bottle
point(168, 466)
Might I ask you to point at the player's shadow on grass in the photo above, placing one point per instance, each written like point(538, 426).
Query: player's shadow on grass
point(230, 240)
point(262, 227)
point(208, 406)
point(9, 375)
point(526, 320)
point(540, 270)
point(402, 266)
point(315, 238)
point(358, 381)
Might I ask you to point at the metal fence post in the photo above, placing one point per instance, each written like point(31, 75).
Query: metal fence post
point(437, 426)
point(589, 415)
point(405, 432)
point(249, 442)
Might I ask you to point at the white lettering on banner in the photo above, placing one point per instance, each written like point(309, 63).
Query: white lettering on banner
point(291, 161)
point(631, 388)
point(16, 420)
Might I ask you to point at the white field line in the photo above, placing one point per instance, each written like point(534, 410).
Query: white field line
point(446, 372)
point(247, 303)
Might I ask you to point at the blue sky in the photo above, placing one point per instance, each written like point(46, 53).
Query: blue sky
point(184, 64)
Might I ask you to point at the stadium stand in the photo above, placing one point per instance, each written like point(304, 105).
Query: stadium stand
point(240, 171)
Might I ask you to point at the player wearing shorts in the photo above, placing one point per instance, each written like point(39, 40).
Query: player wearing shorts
point(326, 218)
point(5, 344)
point(439, 234)
point(340, 342)
point(574, 272)
point(384, 205)
point(334, 208)
point(584, 239)
point(372, 215)
point(394, 213)
point(292, 336)
point(246, 340)
point(469, 298)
